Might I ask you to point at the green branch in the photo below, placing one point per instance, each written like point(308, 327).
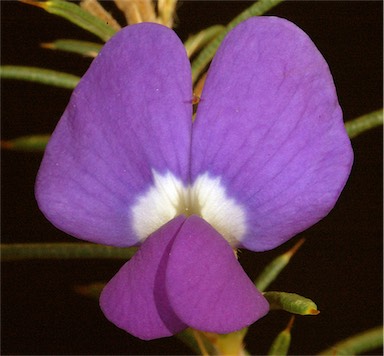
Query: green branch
point(32, 143)
point(196, 42)
point(77, 15)
point(291, 302)
point(39, 75)
point(281, 343)
point(84, 48)
point(363, 342)
point(31, 251)
point(275, 267)
point(364, 123)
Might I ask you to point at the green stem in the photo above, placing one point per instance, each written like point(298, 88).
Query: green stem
point(360, 343)
point(206, 55)
point(39, 75)
point(364, 123)
point(29, 251)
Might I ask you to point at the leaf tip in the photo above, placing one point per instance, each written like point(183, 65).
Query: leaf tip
point(295, 248)
point(47, 45)
point(290, 324)
point(313, 311)
point(7, 145)
point(34, 3)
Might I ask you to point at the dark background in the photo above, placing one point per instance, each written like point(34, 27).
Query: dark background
point(339, 266)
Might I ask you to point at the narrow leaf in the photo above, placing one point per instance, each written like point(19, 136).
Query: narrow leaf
point(75, 14)
point(361, 343)
point(26, 143)
point(280, 345)
point(188, 338)
point(136, 11)
point(364, 123)
point(30, 251)
point(95, 8)
point(273, 269)
point(199, 40)
point(257, 9)
point(85, 48)
point(291, 302)
point(39, 75)
point(91, 290)
point(166, 10)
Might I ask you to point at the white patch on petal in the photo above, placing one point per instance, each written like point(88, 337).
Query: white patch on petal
point(158, 205)
point(222, 212)
point(168, 198)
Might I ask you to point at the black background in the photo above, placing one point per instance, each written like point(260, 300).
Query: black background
point(339, 266)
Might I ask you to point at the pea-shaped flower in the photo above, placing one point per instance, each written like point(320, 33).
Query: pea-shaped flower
point(265, 158)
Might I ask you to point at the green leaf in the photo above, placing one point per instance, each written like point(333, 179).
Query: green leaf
point(291, 302)
point(39, 75)
point(26, 143)
point(257, 9)
point(206, 55)
point(75, 14)
point(364, 123)
point(195, 341)
point(369, 340)
point(274, 268)
point(199, 40)
point(91, 290)
point(280, 345)
point(85, 48)
point(30, 251)
point(186, 336)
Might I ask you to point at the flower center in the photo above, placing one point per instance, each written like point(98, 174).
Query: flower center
point(168, 197)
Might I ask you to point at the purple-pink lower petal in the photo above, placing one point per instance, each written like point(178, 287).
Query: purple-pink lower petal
point(135, 298)
point(185, 274)
point(207, 287)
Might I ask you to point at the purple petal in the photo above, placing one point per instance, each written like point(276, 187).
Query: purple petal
point(185, 274)
point(129, 116)
point(135, 298)
point(207, 287)
point(270, 126)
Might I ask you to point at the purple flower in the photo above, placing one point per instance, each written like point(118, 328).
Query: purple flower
point(266, 157)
